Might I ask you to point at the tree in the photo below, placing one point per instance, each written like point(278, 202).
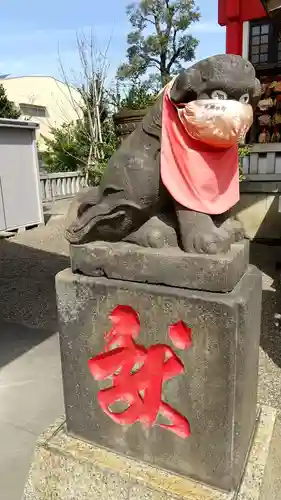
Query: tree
point(167, 46)
point(69, 147)
point(89, 95)
point(137, 95)
point(7, 108)
point(90, 84)
point(87, 143)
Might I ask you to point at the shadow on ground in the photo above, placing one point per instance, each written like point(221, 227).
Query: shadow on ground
point(28, 313)
point(17, 339)
point(27, 297)
point(266, 259)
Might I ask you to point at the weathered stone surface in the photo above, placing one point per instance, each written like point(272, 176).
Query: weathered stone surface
point(157, 232)
point(134, 186)
point(66, 468)
point(217, 392)
point(167, 266)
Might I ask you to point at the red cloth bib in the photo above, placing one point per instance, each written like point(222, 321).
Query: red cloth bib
point(197, 176)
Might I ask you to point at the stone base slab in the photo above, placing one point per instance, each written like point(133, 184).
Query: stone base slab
point(166, 266)
point(66, 468)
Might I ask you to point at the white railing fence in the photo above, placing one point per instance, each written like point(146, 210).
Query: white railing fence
point(61, 185)
point(264, 163)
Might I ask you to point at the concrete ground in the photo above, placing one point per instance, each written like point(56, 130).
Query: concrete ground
point(30, 378)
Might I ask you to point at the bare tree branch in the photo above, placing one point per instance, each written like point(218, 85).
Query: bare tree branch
point(74, 104)
point(91, 84)
point(170, 21)
point(174, 57)
point(153, 60)
point(175, 40)
point(149, 20)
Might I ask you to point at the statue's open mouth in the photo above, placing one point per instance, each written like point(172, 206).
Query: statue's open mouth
point(219, 124)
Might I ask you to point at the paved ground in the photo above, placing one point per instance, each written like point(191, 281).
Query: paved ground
point(30, 380)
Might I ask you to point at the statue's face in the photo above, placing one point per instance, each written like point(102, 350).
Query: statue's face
point(218, 121)
point(215, 99)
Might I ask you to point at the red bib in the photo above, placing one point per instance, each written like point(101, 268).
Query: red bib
point(197, 176)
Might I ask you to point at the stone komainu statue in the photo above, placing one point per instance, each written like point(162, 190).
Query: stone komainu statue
point(179, 168)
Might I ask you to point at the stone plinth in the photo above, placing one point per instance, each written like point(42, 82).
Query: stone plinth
point(66, 468)
point(216, 392)
point(166, 266)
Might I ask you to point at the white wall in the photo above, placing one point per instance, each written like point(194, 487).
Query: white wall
point(246, 39)
point(61, 105)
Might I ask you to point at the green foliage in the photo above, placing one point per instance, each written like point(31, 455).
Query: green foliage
point(137, 95)
point(137, 98)
point(244, 150)
point(107, 148)
point(7, 108)
point(69, 149)
point(86, 144)
point(91, 94)
point(167, 46)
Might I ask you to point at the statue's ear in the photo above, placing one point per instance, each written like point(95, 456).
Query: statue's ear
point(257, 93)
point(186, 86)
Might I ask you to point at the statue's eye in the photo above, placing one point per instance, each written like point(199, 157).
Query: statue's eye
point(245, 99)
point(219, 94)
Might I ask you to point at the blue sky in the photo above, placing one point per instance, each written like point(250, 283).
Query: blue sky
point(32, 33)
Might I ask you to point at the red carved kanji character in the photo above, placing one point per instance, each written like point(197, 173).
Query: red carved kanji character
point(141, 388)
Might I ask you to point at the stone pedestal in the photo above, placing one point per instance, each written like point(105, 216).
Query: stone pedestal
point(66, 468)
point(216, 391)
point(166, 266)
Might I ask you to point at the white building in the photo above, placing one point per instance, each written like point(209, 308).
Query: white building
point(44, 100)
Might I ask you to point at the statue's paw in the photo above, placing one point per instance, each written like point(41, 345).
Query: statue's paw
point(235, 230)
point(213, 242)
point(155, 233)
point(155, 238)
